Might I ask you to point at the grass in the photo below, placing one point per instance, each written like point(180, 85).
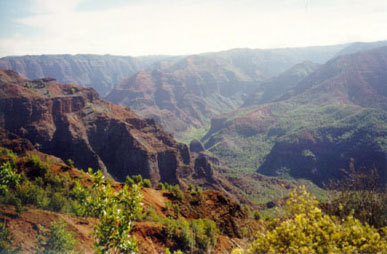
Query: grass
point(193, 133)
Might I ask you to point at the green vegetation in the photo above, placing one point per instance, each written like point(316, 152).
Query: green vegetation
point(147, 183)
point(10, 156)
point(6, 246)
point(160, 186)
point(188, 235)
point(115, 209)
point(177, 192)
point(70, 162)
point(306, 229)
point(191, 235)
point(361, 195)
point(243, 143)
point(8, 178)
point(35, 84)
point(192, 133)
point(47, 190)
point(137, 179)
point(257, 215)
point(247, 137)
point(56, 239)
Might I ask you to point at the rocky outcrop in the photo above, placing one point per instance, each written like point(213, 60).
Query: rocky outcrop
point(196, 146)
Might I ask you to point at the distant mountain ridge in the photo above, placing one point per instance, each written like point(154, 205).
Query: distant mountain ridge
point(103, 72)
point(184, 95)
point(335, 116)
point(100, 72)
point(277, 86)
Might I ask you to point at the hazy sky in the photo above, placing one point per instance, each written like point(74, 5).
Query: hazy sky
point(143, 27)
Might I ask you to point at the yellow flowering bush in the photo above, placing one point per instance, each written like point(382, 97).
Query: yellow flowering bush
point(308, 230)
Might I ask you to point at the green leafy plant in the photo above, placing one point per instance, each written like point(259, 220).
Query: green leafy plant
point(116, 211)
point(177, 192)
point(160, 186)
point(56, 239)
point(70, 162)
point(197, 234)
point(306, 229)
point(147, 183)
point(8, 178)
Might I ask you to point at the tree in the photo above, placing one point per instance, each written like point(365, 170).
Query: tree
point(116, 211)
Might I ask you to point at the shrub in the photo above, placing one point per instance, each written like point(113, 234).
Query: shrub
point(147, 183)
point(160, 186)
point(247, 210)
point(198, 194)
point(176, 210)
point(308, 230)
point(205, 232)
point(38, 168)
point(56, 239)
point(129, 181)
point(137, 179)
point(6, 241)
point(58, 201)
point(26, 192)
point(8, 178)
point(179, 230)
point(70, 162)
point(199, 234)
point(167, 251)
point(177, 193)
point(15, 201)
point(151, 215)
point(257, 215)
point(11, 156)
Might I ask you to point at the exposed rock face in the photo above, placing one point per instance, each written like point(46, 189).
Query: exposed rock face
point(14, 142)
point(72, 122)
point(195, 146)
point(100, 72)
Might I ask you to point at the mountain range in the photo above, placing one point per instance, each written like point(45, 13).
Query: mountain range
point(315, 126)
point(100, 72)
point(295, 113)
